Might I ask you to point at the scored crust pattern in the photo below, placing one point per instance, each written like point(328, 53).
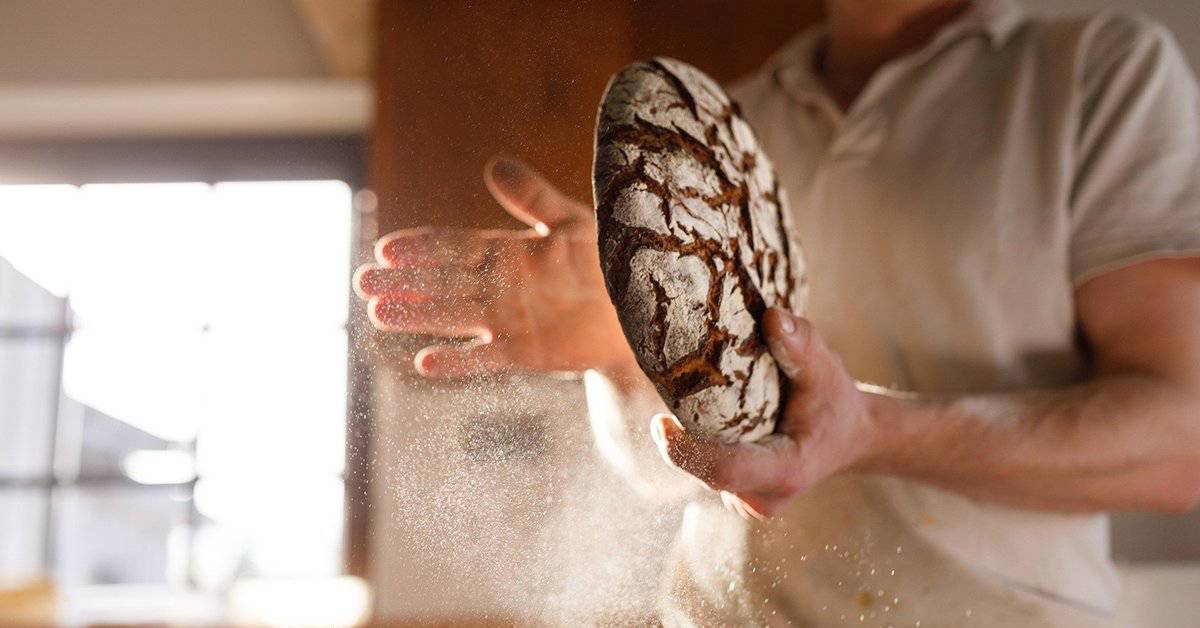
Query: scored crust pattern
point(694, 245)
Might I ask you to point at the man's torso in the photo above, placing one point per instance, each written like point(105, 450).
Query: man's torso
point(936, 224)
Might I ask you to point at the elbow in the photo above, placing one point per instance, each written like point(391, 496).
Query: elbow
point(1188, 500)
point(1181, 494)
point(1180, 504)
point(1185, 490)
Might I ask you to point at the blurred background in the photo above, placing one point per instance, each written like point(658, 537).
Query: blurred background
point(196, 424)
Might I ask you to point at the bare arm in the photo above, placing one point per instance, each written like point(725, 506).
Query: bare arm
point(1127, 439)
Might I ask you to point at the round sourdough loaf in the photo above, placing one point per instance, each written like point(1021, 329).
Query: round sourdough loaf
point(694, 245)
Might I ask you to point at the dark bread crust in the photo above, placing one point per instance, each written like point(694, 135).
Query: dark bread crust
point(694, 245)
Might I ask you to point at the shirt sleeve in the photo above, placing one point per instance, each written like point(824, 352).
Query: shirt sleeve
point(1135, 190)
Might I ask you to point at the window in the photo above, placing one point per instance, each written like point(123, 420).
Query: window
point(173, 381)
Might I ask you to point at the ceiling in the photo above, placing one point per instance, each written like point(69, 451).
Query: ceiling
point(81, 69)
point(136, 41)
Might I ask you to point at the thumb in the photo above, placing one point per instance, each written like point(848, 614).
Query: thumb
point(792, 341)
point(528, 196)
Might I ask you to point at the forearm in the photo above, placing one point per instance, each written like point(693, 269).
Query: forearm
point(621, 402)
point(1122, 442)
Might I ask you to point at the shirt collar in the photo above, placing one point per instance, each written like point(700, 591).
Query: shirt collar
point(996, 19)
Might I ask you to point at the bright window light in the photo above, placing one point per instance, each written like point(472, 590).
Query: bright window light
point(207, 329)
point(140, 253)
point(35, 223)
point(270, 405)
point(284, 253)
point(159, 466)
point(159, 384)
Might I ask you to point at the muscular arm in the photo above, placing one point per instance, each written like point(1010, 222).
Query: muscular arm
point(1126, 439)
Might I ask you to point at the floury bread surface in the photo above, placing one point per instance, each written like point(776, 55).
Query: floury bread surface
point(694, 245)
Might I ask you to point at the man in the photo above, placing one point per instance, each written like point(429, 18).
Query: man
point(1001, 218)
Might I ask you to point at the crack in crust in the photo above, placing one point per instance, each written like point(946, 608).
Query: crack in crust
point(694, 245)
point(681, 90)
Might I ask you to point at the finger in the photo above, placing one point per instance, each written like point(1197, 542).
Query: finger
point(679, 450)
point(756, 505)
point(732, 504)
point(528, 196)
point(791, 340)
point(656, 435)
point(434, 317)
point(727, 500)
point(439, 246)
point(742, 467)
point(461, 360)
point(735, 504)
point(412, 282)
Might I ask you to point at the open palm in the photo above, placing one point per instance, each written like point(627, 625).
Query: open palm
point(530, 299)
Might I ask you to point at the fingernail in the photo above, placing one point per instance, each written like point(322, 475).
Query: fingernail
point(423, 361)
point(382, 310)
point(358, 281)
point(786, 324)
point(675, 421)
point(751, 511)
point(373, 312)
point(506, 171)
point(739, 507)
point(365, 281)
point(393, 252)
point(660, 439)
point(656, 431)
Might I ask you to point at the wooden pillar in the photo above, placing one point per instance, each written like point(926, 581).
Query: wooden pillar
point(460, 80)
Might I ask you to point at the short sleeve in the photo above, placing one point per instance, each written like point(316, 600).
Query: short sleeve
point(1135, 189)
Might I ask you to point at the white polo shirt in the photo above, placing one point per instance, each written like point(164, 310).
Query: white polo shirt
point(946, 220)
